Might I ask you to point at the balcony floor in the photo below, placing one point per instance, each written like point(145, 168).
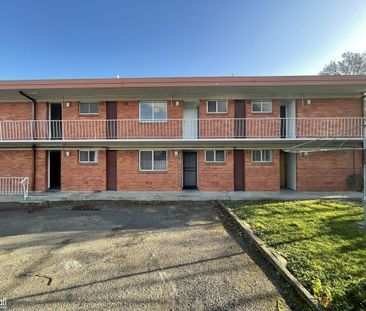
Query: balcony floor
point(186, 195)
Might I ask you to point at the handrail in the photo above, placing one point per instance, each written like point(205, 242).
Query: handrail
point(14, 186)
point(205, 128)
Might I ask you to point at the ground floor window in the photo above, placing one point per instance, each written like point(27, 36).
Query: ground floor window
point(88, 156)
point(153, 160)
point(215, 156)
point(262, 156)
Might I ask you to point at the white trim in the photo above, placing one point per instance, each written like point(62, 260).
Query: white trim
point(153, 102)
point(261, 153)
point(215, 157)
point(88, 113)
point(88, 150)
point(216, 101)
point(261, 102)
point(152, 159)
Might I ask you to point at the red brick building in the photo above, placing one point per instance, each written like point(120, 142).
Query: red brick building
point(167, 134)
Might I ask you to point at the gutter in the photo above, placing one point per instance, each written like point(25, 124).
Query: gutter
point(34, 107)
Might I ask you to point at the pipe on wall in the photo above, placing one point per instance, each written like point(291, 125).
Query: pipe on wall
point(34, 109)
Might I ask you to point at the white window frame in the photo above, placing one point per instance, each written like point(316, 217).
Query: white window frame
point(261, 101)
point(88, 113)
point(152, 166)
point(215, 159)
point(153, 102)
point(262, 157)
point(217, 106)
point(88, 150)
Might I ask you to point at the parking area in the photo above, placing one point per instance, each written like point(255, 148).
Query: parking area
point(129, 256)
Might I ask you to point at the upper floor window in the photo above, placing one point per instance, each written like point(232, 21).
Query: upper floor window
point(88, 108)
point(153, 160)
point(262, 156)
point(151, 111)
point(88, 156)
point(215, 156)
point(262, 106)
point(216, 106)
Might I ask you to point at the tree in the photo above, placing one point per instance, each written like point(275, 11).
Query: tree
point(351, 64)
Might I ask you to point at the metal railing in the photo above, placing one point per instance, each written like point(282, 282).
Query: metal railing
point(14, 186)
point(208, 128)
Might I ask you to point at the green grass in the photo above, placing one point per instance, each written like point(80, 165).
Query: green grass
point(324, 247)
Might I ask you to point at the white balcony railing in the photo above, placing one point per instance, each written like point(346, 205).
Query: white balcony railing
point(14, 186)
point(212, 128)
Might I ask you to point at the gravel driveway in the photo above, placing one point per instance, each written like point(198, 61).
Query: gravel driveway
point(129, 256)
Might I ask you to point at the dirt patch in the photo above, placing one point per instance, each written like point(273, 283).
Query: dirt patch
point(85, 206)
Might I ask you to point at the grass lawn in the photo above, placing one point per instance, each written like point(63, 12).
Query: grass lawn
point(323, 246)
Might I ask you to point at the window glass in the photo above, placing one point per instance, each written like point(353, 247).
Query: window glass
point(267, 106)
point(91, 156)
point(146, 111)
point(220, 155)
point(221, 106)
point(88, 108)
point(159, 111)
point(257, 156)
point(159, 160)
point(211, 106)
point(266, 156)
point(83, 156)
point(257, 107)
point(210, 155)
point(146, 160)
point(93, 107)
point(151, 111)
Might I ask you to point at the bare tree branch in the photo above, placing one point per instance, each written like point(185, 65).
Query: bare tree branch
point(350, 64)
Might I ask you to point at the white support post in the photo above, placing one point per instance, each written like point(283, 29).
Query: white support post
point(364, 159)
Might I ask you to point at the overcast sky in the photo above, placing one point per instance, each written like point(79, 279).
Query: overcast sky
point(136, 38)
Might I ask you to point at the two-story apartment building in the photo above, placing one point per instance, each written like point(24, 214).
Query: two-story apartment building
point(167, 134)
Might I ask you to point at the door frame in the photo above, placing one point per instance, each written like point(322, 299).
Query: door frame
point(197, 169)
point(194, 104)
point(49, 166)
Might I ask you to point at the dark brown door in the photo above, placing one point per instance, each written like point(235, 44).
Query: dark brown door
point(111, 120)
point(54, 169)
point(239, 118)
point(111, 170)
point(239, 170)
point(189, 170)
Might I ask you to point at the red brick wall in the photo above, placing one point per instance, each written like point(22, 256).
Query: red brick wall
point(328, 108)
point(262, 176)
point(215, 126)
point(92, 126)
point(16, 163)
point(260, 125)
point(129, 178)
point(135, 129)
point(77, 176)
point(216, 176)
point(328, 171)
point(41, 170)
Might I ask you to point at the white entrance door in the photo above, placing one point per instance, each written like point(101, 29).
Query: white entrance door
point(190, 120)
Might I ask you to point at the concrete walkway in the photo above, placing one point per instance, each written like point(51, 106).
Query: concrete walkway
point(181, 196)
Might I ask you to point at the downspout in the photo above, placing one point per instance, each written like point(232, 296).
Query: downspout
point(34, 107)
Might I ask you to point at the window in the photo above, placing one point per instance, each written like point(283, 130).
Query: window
point(262, 156)
point(215, 156)
point(153, 111)
point(88, 108)
point(152, 160)
point(88, 156)
point(216, 106)
point(262, 106)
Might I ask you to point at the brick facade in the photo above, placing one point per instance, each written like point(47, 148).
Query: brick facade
point(130, 178)
point(77, 176)
point(262, 176)
point(216, 176)
point(328, 171)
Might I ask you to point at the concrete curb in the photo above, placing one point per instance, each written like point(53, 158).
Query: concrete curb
point(279, 265)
